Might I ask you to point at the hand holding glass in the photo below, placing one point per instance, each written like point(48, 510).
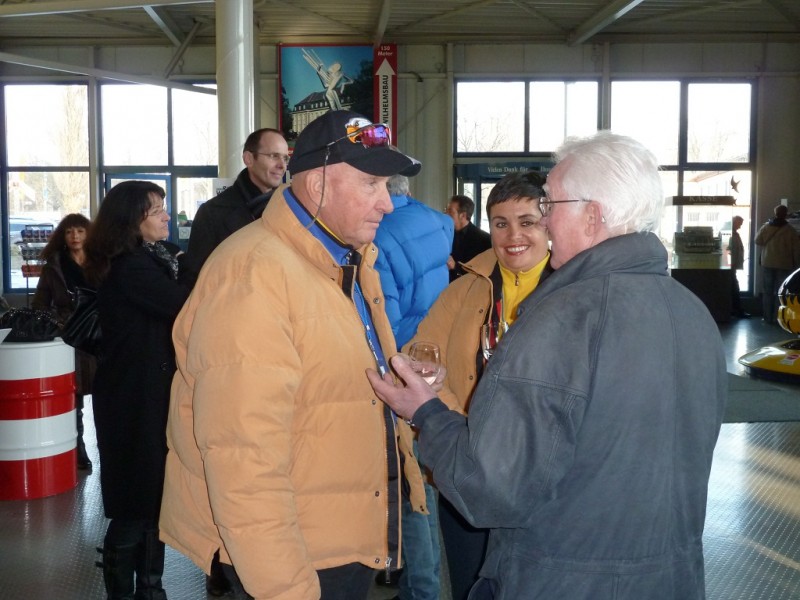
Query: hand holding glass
point(425, 360)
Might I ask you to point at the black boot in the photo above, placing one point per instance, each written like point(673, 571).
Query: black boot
point(84, 464)
point(217, 584)
point(150, 568)
point(118, 569)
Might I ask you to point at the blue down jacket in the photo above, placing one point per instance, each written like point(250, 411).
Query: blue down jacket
point(590, 435)
point(414, 242)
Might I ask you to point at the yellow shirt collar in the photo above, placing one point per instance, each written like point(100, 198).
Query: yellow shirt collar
point(517, 287)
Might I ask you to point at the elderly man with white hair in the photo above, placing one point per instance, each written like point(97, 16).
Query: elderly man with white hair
point(590, 435)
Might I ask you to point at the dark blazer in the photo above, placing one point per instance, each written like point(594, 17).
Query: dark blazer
point(467, 244)
point(236, 206)
point(138, 303)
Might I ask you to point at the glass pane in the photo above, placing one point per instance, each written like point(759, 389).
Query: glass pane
point(483, 218)
point(192, 192)
point(560, 109)
point(47, 125)
point(648, 111)
point(36, 203)
point(491, 116)
point(134, 124)
point(719, 122)
point(721, 183)
point(194, 128)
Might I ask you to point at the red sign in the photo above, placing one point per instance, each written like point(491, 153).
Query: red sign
point(385, 88)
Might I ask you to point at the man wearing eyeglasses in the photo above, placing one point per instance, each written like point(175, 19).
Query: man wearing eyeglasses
point(280, 453)
point(590, 435)
point(265, 157)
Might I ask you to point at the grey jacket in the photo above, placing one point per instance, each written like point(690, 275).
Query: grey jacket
point(590, 435)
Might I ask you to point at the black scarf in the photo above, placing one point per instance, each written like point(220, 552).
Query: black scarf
point(164, 255)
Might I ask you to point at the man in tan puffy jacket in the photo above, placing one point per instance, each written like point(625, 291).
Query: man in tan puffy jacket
point(280, 453)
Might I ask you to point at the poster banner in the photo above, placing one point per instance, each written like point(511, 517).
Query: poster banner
point(316, 79)
point(385, 90)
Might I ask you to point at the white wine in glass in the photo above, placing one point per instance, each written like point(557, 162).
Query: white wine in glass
point(427, 354)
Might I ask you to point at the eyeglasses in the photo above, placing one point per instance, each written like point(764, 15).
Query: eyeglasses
point(373, 135)
point(157, 213)
point(276, 156)
point(546, 205)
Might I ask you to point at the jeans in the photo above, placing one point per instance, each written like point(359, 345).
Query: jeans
point(773, 278)
point(465, 546)
point(421, 551)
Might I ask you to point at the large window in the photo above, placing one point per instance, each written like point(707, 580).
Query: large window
point(702, 133)
point(147, 132)
point(522, 116)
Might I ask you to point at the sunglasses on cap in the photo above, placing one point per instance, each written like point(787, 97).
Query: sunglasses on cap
point(373, 135)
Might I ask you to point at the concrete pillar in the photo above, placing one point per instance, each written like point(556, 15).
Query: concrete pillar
point(235, 81)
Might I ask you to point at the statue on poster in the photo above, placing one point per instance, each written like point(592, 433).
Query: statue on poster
point(331, 78)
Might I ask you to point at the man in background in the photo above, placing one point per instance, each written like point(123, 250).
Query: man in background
point(780, 256)
point(468, 240)
point(414, 244)
point(265, 156)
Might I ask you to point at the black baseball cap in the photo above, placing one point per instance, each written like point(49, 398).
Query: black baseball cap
point(328, 134)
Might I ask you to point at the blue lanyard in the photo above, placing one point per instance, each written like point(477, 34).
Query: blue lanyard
point(343, 256)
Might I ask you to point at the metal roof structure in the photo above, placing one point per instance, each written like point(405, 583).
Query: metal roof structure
point(571, 22)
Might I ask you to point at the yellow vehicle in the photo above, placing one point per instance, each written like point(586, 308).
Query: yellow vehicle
point(780, 360)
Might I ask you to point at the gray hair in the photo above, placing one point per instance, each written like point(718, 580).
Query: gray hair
point(620, 174)
point(397, 185)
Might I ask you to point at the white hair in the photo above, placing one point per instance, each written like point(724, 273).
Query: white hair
point(617, 172)
point(397, 185)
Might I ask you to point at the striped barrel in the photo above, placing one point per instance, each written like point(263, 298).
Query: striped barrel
point(37, 420)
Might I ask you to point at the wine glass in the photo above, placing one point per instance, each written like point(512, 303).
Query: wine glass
point(427, 355)
point(489, 338)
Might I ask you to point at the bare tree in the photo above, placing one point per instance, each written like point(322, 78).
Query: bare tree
point(72, 141)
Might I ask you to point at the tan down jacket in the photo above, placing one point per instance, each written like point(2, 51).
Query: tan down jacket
point(277, 443)
point(454, 323)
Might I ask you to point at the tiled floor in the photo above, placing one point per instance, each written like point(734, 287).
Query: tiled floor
point(47, 546)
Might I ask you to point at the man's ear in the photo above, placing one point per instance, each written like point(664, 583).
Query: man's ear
point(248, 158)
point(309, 184)
point(594, 217)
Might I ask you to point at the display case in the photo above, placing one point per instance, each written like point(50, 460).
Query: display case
point(696, 231)
point(33, 239)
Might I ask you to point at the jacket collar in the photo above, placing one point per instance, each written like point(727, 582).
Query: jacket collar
point(641, 253)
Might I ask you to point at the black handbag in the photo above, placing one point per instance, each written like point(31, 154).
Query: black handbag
point(30, 325)
point(82, 329)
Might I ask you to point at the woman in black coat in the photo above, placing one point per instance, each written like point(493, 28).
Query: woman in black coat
point(61, 275)
point(138, 299)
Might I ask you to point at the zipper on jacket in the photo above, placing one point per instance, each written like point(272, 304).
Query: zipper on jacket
point(516, 279)
point(388, 568)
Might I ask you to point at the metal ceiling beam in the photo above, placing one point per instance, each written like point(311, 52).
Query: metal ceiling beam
point(293, 6)
point(27, 61)
point(536, 14)
point(182, 50)
point(784, 12)
point(59, 7)
point(691, 12)
point(383, 19)
point(165, 23)
point(601, 20)
point(447, 14)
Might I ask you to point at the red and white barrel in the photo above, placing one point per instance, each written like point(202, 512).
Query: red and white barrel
point(37, 420)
